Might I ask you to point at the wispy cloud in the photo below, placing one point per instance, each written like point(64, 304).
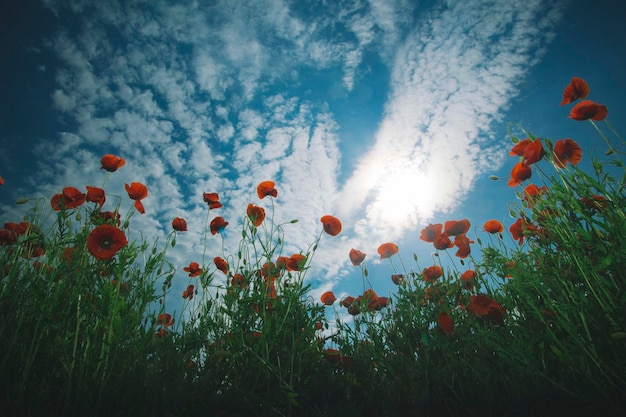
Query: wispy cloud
point(452, 79)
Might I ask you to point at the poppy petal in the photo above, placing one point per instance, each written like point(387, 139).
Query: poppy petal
point(576, 89)
point(332, 225)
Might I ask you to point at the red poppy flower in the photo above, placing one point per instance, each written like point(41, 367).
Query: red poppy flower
point(295, 262)
point(328, 298)
point(281, 262)
point(348, 301)
point(377, 304)
point(70, 198)
point(95, 195)
point(369, 295)
point(217, 225)
point(104, 241)
point(18, 229)
point(531, 150)
point(179, 224)
point(519, 173)
point(137, 191)
point(518, 228)
point(453, 227)
point(483, 306)
point(270, 290)
point(256, 214)
point(189, 292)
point(112, 217)
point(445, 322)
point(356, 257)
point(432, 273)
point(212, 199)
point(442, 242)
point(587, 109)
point(463, 243)
point(1, 181)
point(431, 232)
point(532, 194)
point(238, 280)
point(594, 202)
point(576, 89)
point(221, 264)
point(165, 319)
point(468, 275)
point(397, 279)
point(387, 250)
point(269, 271)
point(566, 150)
point(493, 226)
point(266, 188)
point(7, 237)
point(193, 269)
point(332, 225)
point(112, 163)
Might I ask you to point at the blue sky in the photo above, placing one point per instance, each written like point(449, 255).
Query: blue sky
point(387, 114)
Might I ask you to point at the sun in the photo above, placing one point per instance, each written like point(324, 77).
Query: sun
point(404, 194)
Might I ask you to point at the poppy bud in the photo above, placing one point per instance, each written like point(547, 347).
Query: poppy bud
point(173, 242)
point(78, 217)
point(493, 178)
point(22, 201)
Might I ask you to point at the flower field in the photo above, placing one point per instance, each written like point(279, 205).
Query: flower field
point(492, 329)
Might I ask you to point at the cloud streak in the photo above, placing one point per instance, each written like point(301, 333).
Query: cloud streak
point(451, 80)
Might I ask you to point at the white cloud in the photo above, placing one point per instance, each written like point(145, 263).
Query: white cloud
point(451, 80)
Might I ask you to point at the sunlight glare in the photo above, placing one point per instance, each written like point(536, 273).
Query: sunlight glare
point(404, 194)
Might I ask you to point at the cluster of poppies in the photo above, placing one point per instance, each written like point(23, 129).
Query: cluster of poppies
point(32, 243)
point(106, 239)
point(369, 301)
point(439, 235)
point(530, 150)
point(443, 236)
point(270, 271)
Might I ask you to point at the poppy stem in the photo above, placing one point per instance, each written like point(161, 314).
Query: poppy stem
point(606, 139)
